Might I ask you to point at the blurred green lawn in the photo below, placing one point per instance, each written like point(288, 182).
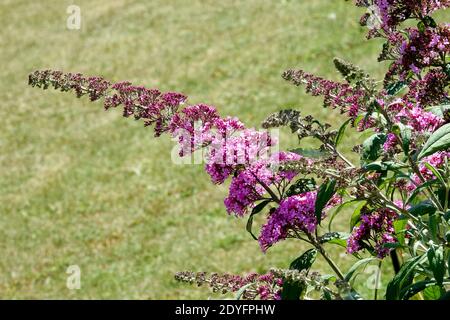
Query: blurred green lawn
point(80, 186)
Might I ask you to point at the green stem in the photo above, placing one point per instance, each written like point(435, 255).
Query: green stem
point(377, 280)
point(325, 255)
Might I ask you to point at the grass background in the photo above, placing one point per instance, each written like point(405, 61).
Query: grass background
point(86, 187)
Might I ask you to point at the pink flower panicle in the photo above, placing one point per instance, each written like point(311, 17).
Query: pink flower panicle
point(228, 153)
point(437, 160)
point(394, 12)
point(248, 186)
point(336, 95)
point(257, 286)
point(423, 49)
point(294, 214)
point(376, 228)
point(154, 107)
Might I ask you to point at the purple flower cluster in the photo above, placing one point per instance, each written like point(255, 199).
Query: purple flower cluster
point(295, 214)
point(376, 229)
point(418, 54)
point(336, 95)
point(437, 160)
point(193, 126)
point(430, 90)
point(95, 87)
point(154, 107)
point(417, 118)
point(230, 152)
point(248, 186)
point(394, 12)
point(423, 49)
point(257, 286)
point(391, 143)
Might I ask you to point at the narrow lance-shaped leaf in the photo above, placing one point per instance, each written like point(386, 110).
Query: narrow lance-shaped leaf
point(305, 261)
point(400, 228)
point(257, 209)
point(423, 208)
point(356, 216)
point(356, 266)
point(415, 288)
point(418, 189)
point(340, 208)
point(372, 147)
point(292, 290)
point(437, 263)
point(340, 134)
point(325, 193)
point(436, 173)
point(339, 238)
point(301, 186)
point(405, 135)
point(439, 140)
point(395, 87)
point(403, 278)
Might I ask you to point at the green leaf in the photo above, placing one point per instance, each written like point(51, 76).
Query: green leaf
point(301, 186)
point(429, 22)
point(372, 147)
point(340, 242)
point(423, 208)
point(393, 245)
point(326, 295)
point(415, 288)
point(340, 134)
point(384, 166)
point(340, 208)
point(292, 290)
point(433, 293)
point(436, 173)
point(433, 222)
point(403, 278)
point(324, 194)
point(419, 189)
point(339, 238)
point(421, 26)
point(257, 209)
point(439, 140)
point(439, 110)
point(356, 216)
point(437, 263)
point(405, 134)
point(305, 261)
point(395, 87)
point(355, 267)
point(400, 228)
point(241, 291)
